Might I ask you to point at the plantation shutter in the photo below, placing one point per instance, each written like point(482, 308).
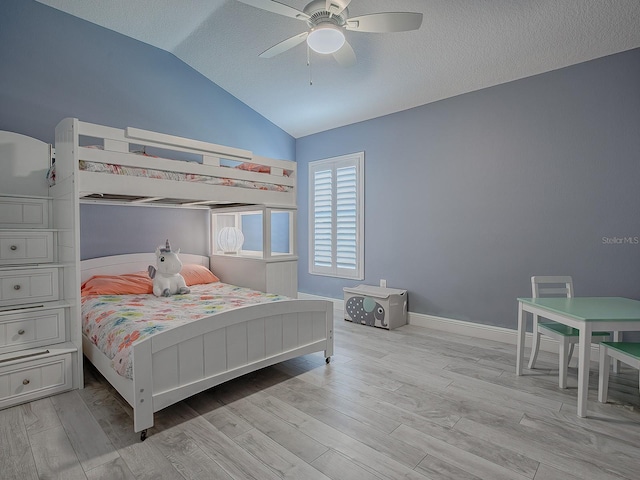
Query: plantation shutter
point(336, 217)
point(322, 217)
point(346, 221)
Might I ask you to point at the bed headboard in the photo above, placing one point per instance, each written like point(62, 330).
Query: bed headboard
point(135, 262)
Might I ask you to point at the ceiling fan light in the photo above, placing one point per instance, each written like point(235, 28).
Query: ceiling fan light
point(325, 39)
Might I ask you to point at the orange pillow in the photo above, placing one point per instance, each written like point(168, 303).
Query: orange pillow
point(126, 284)
point(140, 283)
point(254, 167)
point(195, 274)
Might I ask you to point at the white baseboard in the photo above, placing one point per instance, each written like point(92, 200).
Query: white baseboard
point(469, 329)
point(338, 303)
point(489, 332)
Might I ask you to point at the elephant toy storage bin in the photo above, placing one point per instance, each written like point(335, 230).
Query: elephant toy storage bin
point(375, 306)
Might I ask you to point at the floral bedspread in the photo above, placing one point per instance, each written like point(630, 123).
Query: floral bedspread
point(178, 176)
point(114, 322)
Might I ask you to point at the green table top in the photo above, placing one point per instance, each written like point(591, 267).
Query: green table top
point(601, 309)
point(630, 348)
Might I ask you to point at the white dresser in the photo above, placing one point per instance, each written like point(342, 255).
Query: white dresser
point(36, 354)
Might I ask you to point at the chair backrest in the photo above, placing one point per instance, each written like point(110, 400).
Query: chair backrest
point(551, 286)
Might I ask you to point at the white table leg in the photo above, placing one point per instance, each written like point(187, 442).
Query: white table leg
point(522, 327)
point(583, 368)
point(563, 363)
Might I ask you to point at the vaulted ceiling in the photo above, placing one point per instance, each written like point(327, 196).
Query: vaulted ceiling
point(462, 46)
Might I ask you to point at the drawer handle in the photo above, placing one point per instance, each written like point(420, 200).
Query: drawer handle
point(25, 381)
point(16, 287)
point(13, 247)
point(21, 332)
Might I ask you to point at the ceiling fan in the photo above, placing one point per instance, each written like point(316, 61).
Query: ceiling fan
point(327, 20)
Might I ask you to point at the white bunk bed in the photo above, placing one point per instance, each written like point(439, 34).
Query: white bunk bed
point(255, 181)
point(237, 341)
point(175, 364)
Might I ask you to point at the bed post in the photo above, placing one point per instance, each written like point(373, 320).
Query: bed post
point(142, 388)
point(66, 219)
point(328, 352)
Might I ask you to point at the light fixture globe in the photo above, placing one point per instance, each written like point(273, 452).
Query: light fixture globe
point(326, 39)
point(230, 240)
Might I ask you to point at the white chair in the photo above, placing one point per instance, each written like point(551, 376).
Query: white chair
point(626, 352)
point(567, 337)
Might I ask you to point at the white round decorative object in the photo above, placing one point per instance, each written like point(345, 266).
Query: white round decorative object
point(325, 39)
point(230, 240)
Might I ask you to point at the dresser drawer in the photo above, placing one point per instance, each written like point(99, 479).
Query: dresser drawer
point(34, 378)
point(26, 247)
point(18, 287)
point(30, 329)
point(16, 212)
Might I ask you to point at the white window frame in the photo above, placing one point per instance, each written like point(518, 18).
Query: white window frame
point(333, 164)
point(236, 213)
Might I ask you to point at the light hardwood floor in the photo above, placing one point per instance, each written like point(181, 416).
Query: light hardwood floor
point(411, 403)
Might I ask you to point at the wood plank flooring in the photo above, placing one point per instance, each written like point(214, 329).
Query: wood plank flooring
point(411, 403)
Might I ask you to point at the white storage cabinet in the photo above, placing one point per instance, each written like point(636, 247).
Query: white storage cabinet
point(375, 306)
point(35, 354)
point(267, 259)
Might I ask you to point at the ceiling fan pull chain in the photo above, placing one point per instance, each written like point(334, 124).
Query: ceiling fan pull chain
point(309, 65)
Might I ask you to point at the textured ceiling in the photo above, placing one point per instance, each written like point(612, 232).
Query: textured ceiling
point(463, 45)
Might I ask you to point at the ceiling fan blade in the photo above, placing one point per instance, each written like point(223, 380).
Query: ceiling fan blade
point(285, 45)
point(385, 22)
point(337, 6)
point(345, 57)
point(276, 7)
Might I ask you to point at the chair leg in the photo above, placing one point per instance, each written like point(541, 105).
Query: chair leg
point(563, 363)
point(535, 343)
point(570, 353)
point(617, 337)
point(603, 374)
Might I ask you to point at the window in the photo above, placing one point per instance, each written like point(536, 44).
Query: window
point(336, 216)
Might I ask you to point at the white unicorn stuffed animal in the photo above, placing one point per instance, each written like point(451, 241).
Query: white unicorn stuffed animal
point(166, 278)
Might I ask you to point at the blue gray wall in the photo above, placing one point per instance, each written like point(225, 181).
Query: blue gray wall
point(54, 65)
point(465, 198)
point(468, 197)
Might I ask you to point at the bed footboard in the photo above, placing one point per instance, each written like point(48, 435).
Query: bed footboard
point(176, 364)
